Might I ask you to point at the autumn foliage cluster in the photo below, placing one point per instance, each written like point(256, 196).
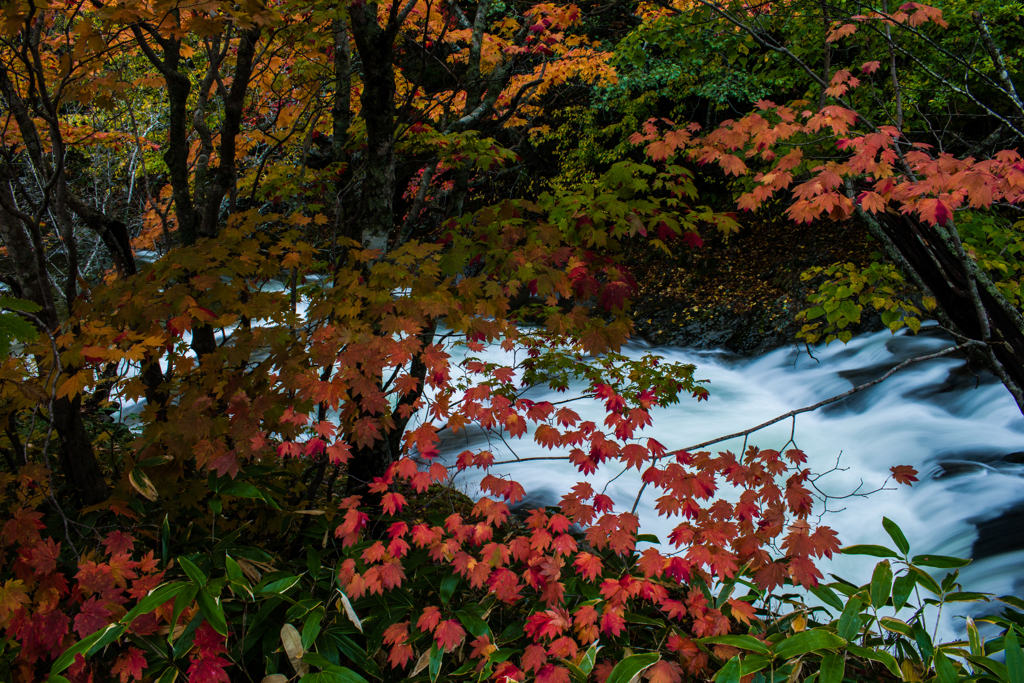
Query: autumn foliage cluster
point(228, 451)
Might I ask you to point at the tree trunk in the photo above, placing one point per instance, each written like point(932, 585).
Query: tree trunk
point(947, 277)
point(376, 50)
point(25, 251)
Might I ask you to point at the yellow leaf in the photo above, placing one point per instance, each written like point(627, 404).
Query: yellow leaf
point(72, 386)
point(141, 483)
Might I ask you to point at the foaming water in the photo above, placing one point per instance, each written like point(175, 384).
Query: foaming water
point(957, 426)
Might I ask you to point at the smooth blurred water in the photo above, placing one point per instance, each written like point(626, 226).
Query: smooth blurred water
point(960, 429)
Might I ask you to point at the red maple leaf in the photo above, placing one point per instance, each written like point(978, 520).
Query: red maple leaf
point(804, 572)
point(771, 575)
point(904, 474)
point(534, 657)
point(934, 211)
point(208, 670)
point(553, 674)
point(118, 542)
point(742, 611)
point(129, 665)
point(429, 619)
point(93, 617)
point(588, 565)
point(400, 655)
point(43, 557)
point(393, 502)
point(449, 635)
point(664, 671)
point(208, 642)
point(825, 542)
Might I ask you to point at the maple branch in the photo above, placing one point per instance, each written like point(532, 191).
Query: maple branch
point(806, 409)
point(538, 457)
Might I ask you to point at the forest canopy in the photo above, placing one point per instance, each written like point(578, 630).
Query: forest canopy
point(257, 262)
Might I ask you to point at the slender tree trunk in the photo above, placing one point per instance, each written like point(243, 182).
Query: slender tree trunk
point(24, 249)
point(376, 50)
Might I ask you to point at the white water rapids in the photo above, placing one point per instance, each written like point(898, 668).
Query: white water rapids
point(962, 432)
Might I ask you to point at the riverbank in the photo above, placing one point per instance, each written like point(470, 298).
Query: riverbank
point(740, 293)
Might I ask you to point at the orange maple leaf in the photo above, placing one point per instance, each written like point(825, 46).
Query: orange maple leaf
point(904, 474)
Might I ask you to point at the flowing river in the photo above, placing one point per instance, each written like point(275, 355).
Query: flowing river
point(960, 429)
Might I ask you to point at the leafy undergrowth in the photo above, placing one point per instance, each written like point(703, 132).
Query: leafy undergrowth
point(711, 295)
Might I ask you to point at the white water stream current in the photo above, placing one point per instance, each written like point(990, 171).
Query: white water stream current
point(959, 428)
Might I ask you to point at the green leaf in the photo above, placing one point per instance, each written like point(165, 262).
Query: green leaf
point(833, 666)
point(634, 618)
point(575, 671)
point(997, 669)
point(944, 668)
point(926, 580)
point(902, 588)
point(141, 483)
point(849, 621)
point(807, 641)
point(234, 570)
point(156, 597)
point(742, 642)
point(1011, 600)
point(317, 660)
point(974, 638)
point(1014, 656)
point(183, 600)
point(313, 562)
point(336, 674)
point(212, 611)
point(896, 626)
point(109, 636)
point(194, 573)
point(354, 652)
point(434, 666)
point(474, 624)
point(924, 641)
point(241, 489)
point(729, 673)
point(278, 586)
point(881, 584)
point(828, 596)
point(311, 627)
point(965, 597)
point(589, 659)
point(631, 666)
point(872, 550)
point(940, 561)
point(169, 675)
point(82, 646)
point(752, 664)
point(874, 655)
point(896, 534)
point(12, 326)
point(448, 586)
